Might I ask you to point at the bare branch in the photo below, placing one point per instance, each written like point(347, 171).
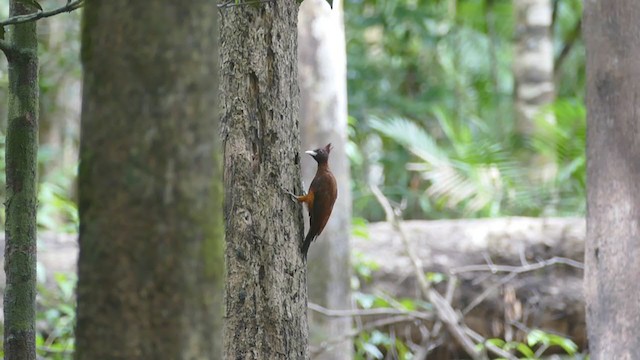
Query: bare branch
point(392, 218)
point(233, 3)
point(70, 6)
point(488, 292)
point(367, 312)
point(518, 269)
point(443, 309)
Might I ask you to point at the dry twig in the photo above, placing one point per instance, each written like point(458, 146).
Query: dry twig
point(518, 269)
point(367, 312)
point(7, 48)
point(70, 6)
point(445, 312)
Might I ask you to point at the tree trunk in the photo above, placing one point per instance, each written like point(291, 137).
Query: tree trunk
point(150, 189)
point(533, 62)
point(322, 66)
point(612, 288)
point(266, 278)
point(21, 202)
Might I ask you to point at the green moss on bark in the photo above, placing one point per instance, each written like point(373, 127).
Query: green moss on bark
point(21, 203)
point(213, 246)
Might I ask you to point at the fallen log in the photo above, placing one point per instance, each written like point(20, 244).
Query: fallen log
point(512, 274)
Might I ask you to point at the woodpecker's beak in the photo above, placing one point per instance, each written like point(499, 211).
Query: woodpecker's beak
point(311, 152)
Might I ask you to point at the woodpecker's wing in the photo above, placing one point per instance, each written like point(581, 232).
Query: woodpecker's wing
point(325, 193)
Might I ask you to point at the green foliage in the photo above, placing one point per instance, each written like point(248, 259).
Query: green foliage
point(59, 90)
point(359, 228)
point(57, 210)
point(445, 69)
point(473, 170)
point(3, 178)
point(363, 268)
point(538, 342)
point(56, 318)
point(565, 141)
point(369, 345)
point(381, 342)
point(464, 175)
point(375, 343)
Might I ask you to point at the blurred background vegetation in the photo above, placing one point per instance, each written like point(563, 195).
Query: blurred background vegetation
point(431, 105)
point(60, 84)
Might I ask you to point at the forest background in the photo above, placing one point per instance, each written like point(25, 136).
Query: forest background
point(433, 122)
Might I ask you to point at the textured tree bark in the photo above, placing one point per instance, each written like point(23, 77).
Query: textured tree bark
point(150, 187)
point(533, 62)
point(266, 292)
point(322, 66)
point(612, 288)
point(21, 203)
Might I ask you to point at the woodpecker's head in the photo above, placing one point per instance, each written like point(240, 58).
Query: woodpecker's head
point(321, 155)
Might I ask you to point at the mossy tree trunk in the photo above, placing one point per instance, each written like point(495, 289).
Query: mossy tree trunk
point(265, 293)
point(150, 183)
point(612, 268)
point(21, 50)
point(323, 87)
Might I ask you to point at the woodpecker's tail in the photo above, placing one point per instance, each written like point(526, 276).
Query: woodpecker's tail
point(307, 242)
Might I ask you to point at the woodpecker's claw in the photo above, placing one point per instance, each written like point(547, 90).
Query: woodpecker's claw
point(294, 197)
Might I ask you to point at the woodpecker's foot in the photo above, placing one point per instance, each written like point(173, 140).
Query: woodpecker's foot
point(294, 197)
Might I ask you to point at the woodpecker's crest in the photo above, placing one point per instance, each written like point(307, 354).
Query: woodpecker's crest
point(322, 154)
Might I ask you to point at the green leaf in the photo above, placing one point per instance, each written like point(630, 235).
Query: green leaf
point(359, 228)
point(566, 344)
point(409, 304)
point(525, 350)
point(381, 302)
point(66, 283)
point(372, 350)
point(540, 337)
point(379, 338)
point(535, 337)
point(365, 300)
point(435, 277)
point(497, 342)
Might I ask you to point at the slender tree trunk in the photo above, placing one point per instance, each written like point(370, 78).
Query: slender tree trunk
point(612, 270)
point(322, 65)
point(533, 62)
point(266, 294)
point(21, 203)
point(150, 187)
